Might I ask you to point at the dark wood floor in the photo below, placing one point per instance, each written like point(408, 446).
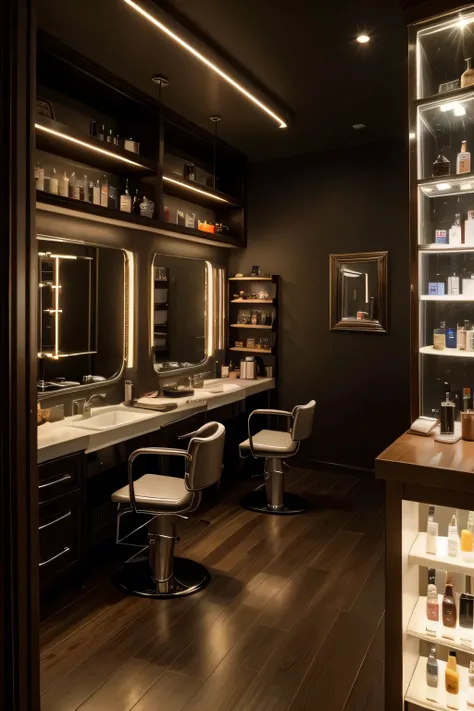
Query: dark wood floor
point(292, 620)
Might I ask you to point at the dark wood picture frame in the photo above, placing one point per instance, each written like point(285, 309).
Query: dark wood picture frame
point(336, 321)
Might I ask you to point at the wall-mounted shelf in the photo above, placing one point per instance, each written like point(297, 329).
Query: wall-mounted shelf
point(447, 185)
point(268, 351)
point(54, 137)
point(465, 93)
point(96, 213)
point(446, 297)
point(251, 278)
point(440, 248)
point(252, 301)
point(417, 628)
point(446, 352)
point(250, 325)
point(440, 561)
point(197, 193)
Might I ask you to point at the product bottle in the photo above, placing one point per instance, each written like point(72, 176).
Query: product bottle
point(452, 682)
point(455, 233)
point(442, 231)
point(466, 615)
point(466, 539)
point(432, 669)
point(93, 128)
point(96, 193)
point(463, 162)
point(86, 193)
point(453, 538)
point(461, 338)
point(447, 415)
point(39, 177)
point(468, 77)
point(432, 603)
point(116, 140)
point(126, 199)
point(110, 136)
point(449, 605)
point(54, 183)
point(470, 693)
point(102, 133)
point(439, 337)
point(431, 532)
point(441, 166)
point(469, 228)
point(136, 203)
point(466, 401)
point(64, 185)
point(104, 193)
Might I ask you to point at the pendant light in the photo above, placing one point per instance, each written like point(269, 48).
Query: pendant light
point(215, 120)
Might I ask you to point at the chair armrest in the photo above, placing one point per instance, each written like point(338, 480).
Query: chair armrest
point(188, 435)
point(278, 413)
point(158, 451)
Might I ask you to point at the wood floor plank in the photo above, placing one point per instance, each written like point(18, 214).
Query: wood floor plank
point(344, 649)
point(170, 693)
point(367, 693)
point(284, 608)
point(222, 690)
point(256, 646)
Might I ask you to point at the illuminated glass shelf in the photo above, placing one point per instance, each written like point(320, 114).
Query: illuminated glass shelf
point(418, 690)
point(446, 297)
point(417, 628)
point(434, 248)
point(195, 192)
point(448, 185)
point(435, 100)
point(249, 325)
point(267, 351)
point(441, 560)
point(446, 352)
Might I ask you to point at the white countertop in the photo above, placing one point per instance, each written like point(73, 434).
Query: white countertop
point(58, 439)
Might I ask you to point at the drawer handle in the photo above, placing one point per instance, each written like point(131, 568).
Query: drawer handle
point(66, 549)
point(56, 520)
point(66, 477)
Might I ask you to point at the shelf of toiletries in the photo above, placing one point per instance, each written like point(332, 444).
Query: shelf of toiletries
point(461, 562)
point(454, 94)
point(432, 630)
point(250, 325)
point(433, 694)
point(251, 278)
point(252, 301)
point(243, 349)
point(448, 185)
point(105, 152)
point(447, 297)
point(437, 248)
point(195, 192)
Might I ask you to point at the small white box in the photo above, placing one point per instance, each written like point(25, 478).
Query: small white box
point(468, 287)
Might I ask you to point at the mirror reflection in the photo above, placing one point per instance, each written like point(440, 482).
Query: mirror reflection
point(179, 312)
point(81, 324)
point(359, 290)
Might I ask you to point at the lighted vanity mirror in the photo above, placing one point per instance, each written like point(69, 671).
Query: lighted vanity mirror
point(81, 314)
point(358, 292)
point(181, 314)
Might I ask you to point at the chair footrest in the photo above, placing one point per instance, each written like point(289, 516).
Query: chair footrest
point(135, 577)
point(257, 501)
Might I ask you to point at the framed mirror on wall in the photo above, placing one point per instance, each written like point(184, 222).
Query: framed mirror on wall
point(182, 324)
point(358, 292)
point(83, 319)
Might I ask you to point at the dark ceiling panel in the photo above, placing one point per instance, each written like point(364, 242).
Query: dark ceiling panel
point(303, 54)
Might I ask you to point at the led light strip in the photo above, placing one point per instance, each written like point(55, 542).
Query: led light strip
point(207, 62)
point(210, 311)
point(195, 190)
point(56, 303)
point(130, 264)
point(97, 149)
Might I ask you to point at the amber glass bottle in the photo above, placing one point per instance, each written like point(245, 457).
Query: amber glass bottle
point(449, 604)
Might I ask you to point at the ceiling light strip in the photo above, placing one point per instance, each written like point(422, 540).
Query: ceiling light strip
point(90, 147)
point(195, 190)
point(189, 48)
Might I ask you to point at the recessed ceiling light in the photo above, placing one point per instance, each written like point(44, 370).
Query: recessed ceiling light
point(359, 126)
point(202, 58)
point(363, 39)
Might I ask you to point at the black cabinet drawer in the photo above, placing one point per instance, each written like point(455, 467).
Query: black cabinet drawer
point(60, 476)
point(60, 536)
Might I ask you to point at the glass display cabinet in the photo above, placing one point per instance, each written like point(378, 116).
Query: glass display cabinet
point(429, 652)
point(442, 210)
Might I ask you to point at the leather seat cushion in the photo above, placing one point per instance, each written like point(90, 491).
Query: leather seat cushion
point(156, 492)
point(270, 443)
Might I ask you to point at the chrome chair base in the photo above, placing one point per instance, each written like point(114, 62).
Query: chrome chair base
point(135, 577)
point(257, 501)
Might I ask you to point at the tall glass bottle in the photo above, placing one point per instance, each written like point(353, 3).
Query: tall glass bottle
point(449, 604)
point(468, 77)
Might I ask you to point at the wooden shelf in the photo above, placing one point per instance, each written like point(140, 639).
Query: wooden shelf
point(249, 325)
point(268, 351)
point(252, 301)
point(194, 192)
point(440, 561)
point(446, 352)
point(64, 141)
point(418, 690)
point(86, 210)
point(251, 278)
point(417, 628)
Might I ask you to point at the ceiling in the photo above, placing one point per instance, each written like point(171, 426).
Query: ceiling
point(306, 58)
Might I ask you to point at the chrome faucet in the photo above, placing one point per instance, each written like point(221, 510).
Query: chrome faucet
point(84, 407)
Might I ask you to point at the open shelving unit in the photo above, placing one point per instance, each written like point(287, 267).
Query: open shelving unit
point(240, 317)
point(80, 91)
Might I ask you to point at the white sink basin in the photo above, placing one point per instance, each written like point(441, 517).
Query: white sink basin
point(109, 420)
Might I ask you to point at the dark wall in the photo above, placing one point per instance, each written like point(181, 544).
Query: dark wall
point(300, 211)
